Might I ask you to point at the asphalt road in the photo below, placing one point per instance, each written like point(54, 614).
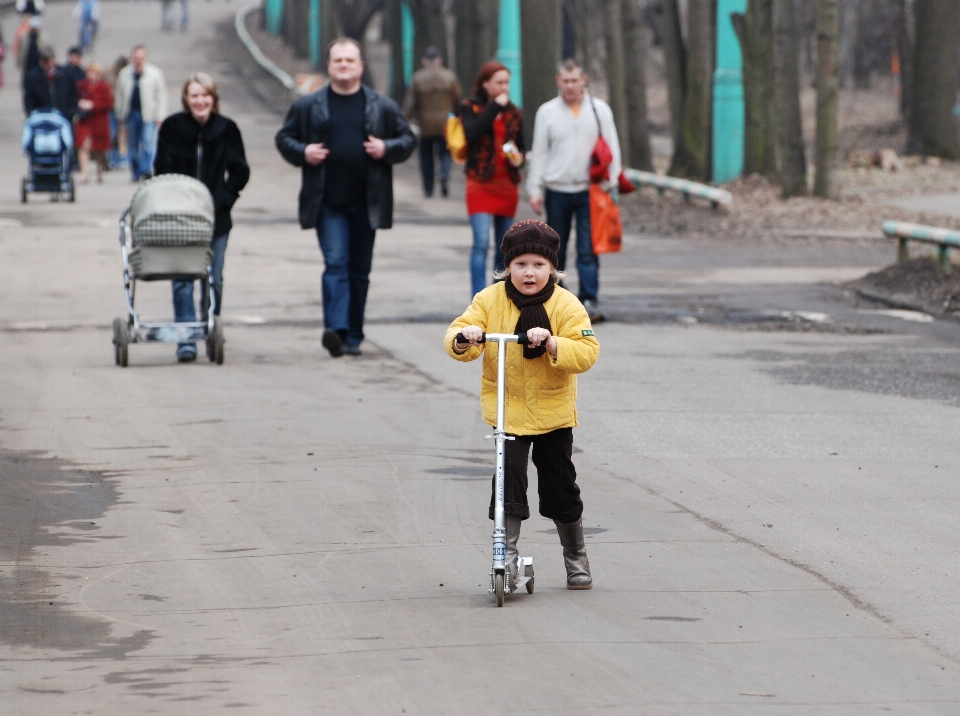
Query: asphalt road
point(770, 471)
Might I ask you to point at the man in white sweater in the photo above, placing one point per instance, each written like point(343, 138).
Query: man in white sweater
point(564, 134)
point(140, 103)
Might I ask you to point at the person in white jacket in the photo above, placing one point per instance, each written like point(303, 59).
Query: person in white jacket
point(141, 103)
point(564, 133)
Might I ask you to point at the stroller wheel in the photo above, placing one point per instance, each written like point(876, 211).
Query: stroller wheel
point(120, 342)
point(23, 190)
point(217, 341)
point(498, 588)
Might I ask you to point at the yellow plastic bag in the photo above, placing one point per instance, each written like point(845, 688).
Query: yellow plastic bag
point(456, 139)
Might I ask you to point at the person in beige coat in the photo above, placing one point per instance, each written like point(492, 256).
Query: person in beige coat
point(541, 386)
point(140, 103)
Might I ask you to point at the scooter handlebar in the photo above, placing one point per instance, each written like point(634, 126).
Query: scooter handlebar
point(521, 338)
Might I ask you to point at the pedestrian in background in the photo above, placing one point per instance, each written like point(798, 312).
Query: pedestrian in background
point(167, 13)
point(93, 130)
point(202, 143)
point(31, 7)
point(75, 63)
point(117, 157)
point(493, 127)
point(433, 94)
point(50, 86)
point(140, 103)
point(87, 13)
point(31, 42)
point(541, 386)
point(3, 56)
point(564, 134)
point(346, 139)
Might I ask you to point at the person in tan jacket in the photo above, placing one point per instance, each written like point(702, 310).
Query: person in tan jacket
point(433, 94)
point(541, 385)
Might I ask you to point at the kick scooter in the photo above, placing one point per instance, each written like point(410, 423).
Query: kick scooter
point(500, 578)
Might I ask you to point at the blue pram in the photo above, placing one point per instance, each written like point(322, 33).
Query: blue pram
point(48, 143)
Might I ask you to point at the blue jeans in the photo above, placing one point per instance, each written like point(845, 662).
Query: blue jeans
point(141, 144)
point(184, 309)
point(561, 207)
point(346, 241)
point(427, 147)
point(114, 158)
point(481, 224)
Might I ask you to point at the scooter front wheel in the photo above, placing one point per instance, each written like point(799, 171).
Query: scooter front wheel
point(498, 588)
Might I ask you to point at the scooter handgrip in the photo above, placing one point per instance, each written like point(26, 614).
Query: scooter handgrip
point(522, 339)
point(461, 339)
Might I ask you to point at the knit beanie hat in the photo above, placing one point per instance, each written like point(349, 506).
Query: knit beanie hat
point(530, 237)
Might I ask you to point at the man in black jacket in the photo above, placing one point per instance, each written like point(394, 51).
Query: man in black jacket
point(346, 138)
point(50, 86)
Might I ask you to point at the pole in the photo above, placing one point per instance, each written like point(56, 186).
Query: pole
point(408, 37)
point(508, 49)
point(274, 12)
point(728, 109)
point(314, 25)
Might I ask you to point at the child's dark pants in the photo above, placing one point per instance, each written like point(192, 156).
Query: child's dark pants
point(556, 476)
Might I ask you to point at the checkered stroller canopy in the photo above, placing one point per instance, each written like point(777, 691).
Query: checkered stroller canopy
point(172, 210)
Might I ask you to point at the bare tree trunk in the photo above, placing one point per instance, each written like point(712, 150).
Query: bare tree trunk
point(393, 33)
point(849, 12)
point(295, 26)
point(592, 43)
point(616, 78)
point(353, 16)
point(429, 28)
point(667, 14)
point(905, 43)
point(791, 162)
point(755, 30)
point(568, 19)
point(695, 162)
point(636, 128)
point(477, 27)
point(933, 129)
point(540, 55)
point(828, 27)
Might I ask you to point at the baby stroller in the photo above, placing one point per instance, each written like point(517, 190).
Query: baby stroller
point(165, 235)
point(48, 142)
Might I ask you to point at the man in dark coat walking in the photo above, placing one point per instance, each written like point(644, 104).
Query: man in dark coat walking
point(50, 86)
point(346, 138)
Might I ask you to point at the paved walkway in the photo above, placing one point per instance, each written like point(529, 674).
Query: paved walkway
point(771, 513)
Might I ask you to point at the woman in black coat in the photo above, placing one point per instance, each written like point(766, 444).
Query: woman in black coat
point(202, 143)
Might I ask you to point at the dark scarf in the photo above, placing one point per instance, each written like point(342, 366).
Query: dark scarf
point(532, 313)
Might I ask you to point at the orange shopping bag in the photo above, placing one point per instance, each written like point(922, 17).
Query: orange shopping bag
point(605, 228)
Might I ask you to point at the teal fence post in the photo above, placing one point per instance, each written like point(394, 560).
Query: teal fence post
point(407, 33)
point(508, 47)
point(274, 12)
point(314, 30)
point(728, 111)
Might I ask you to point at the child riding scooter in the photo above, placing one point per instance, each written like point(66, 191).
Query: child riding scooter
point(540, 388)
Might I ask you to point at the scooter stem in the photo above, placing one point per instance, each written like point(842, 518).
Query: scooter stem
point(499, 528)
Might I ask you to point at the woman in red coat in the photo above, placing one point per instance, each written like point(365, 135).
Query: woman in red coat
point(93, 129)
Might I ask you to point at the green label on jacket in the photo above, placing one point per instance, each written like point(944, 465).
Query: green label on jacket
point(586, 332)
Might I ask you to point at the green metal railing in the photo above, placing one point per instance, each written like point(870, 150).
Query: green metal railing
point(662, 183)
point(904, 233)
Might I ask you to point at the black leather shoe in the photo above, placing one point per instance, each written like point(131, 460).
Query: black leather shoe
point(333, 343)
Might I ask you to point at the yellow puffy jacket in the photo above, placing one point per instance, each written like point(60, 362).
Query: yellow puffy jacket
point(540, 394)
